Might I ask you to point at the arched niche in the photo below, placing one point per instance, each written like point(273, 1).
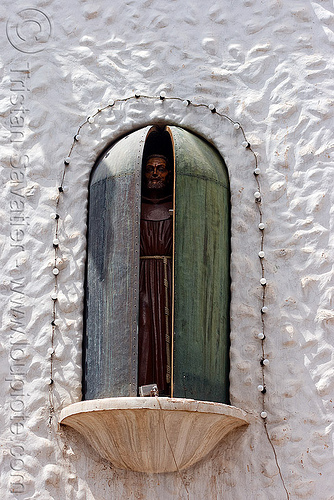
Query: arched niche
point(157, 434)
point(201, 282)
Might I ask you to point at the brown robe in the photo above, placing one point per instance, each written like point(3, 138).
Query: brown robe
point(156, 239)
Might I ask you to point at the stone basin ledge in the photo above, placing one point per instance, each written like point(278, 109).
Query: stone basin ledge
point(153, 434)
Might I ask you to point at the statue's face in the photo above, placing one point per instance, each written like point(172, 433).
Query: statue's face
point(156, 173)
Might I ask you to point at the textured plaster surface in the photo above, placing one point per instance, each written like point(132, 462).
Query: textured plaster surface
point(267, 65)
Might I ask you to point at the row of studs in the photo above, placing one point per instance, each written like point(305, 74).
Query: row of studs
point(263, 281)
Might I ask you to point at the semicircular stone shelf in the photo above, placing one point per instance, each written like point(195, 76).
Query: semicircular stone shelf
point(153, 434)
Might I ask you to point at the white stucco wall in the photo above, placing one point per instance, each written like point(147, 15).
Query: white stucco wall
point(267, 65)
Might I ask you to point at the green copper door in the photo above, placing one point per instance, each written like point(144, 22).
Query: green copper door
point(110, 348)
point(201, 275)
point(201, 270)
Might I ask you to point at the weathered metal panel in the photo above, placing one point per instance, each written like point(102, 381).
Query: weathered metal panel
point(202, 277)
point(201, 340)
point(112, 271)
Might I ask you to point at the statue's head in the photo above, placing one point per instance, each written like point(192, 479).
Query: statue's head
point(156, 172)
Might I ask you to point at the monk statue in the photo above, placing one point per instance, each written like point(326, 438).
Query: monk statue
point(156, 245)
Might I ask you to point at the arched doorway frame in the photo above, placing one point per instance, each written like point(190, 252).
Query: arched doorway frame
point(199, 278)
